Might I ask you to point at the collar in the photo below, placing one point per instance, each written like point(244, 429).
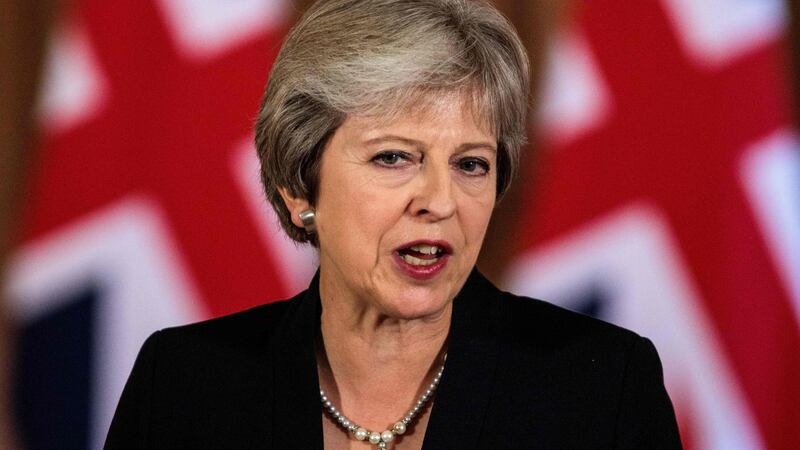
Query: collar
point(461, 400)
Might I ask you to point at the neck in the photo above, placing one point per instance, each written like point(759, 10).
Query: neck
point(375, 367)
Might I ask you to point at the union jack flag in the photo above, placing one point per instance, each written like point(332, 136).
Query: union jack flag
point(667, 199)
point(145, 208)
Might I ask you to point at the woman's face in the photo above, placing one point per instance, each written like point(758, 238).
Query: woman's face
point(403, 208)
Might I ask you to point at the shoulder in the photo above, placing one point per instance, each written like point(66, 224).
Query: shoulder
point(582, 352)
point(570, 371)
point(530, 320)
point(251, 325)
point(238, 339)
point(213, 372)
point(528, 328)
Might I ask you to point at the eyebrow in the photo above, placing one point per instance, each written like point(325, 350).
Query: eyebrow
point(419, 144)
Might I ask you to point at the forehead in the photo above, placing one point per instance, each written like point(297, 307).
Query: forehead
point(442, 115)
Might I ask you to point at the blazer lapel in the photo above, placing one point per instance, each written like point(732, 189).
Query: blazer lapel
point(461, 401)
point(297, 417)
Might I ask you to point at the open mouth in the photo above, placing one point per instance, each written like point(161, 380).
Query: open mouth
point(422, 254)
point(423, 259)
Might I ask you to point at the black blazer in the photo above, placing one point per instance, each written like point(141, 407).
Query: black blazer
point(520, 374)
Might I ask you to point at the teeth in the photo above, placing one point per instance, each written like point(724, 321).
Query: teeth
point(418, 262)
point(425, 249)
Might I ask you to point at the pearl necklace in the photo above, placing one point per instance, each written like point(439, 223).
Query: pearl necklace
point(382, 439)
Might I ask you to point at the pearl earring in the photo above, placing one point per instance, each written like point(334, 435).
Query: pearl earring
point(307, 217)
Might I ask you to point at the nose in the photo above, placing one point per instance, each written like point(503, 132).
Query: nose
point(433, 199)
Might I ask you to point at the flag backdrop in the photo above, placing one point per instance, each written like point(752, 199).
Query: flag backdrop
point(144, 209)
point(664, 196)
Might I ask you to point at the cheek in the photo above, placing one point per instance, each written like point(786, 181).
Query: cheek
point(389, 178)
point(355, 215)
point(479, 188)
point(479, 222)
point(476, 213)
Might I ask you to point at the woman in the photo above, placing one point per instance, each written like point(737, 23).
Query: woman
point(388, 131)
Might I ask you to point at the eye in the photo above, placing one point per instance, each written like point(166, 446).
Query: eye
point(473, 166)
point(391, 158)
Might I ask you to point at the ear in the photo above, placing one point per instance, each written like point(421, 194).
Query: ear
point(295, 205)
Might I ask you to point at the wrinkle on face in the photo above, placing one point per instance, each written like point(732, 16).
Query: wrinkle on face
point(364, 210)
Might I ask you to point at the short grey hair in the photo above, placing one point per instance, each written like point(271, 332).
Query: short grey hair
point(379, 58)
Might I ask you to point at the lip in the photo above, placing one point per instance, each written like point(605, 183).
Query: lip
point(423, 272)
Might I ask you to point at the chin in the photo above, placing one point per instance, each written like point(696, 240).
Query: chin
point(408, 307)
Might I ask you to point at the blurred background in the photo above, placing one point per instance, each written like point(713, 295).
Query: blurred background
point(661, 191)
